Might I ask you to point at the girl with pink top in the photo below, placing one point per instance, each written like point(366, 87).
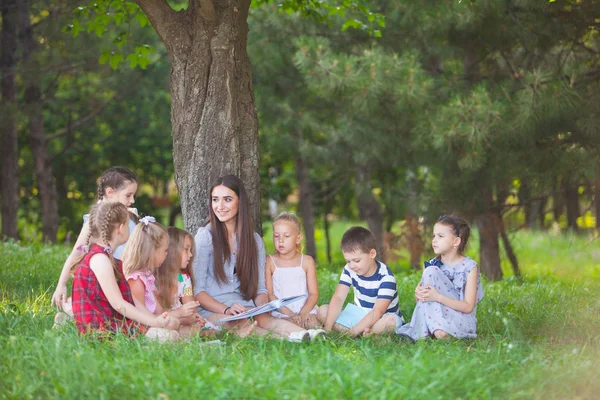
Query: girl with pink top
point(291, 273)
point(145, 252)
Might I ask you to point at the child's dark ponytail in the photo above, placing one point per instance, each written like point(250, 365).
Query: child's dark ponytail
point(459, 226)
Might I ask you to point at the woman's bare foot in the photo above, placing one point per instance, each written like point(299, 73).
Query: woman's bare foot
point(246, 329)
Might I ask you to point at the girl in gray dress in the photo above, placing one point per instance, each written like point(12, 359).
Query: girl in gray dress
point(450, 288)
point(229, 267)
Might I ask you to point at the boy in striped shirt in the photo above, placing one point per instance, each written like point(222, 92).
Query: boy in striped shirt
point(375, 309)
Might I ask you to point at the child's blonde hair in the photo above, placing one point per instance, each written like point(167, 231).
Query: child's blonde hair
point(103, 221)
point(166, 277)
point(144, 240)
point(288, 216)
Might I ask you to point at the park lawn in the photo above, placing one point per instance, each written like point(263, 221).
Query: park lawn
point(537, 339)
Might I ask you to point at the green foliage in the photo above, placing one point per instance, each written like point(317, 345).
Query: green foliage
point(114, 18)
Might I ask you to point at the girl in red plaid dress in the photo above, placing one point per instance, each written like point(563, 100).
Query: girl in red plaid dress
point(102, 300)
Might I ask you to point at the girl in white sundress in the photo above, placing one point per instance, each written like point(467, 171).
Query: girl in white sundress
point(450, 288)
point(288, 273)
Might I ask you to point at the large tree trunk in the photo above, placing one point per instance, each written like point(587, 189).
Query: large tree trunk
point(572, 204)
point(369, 208)
point(9, 179)
point(306, 200)
point(489, 249)
point(37, 134)
point(214, 120)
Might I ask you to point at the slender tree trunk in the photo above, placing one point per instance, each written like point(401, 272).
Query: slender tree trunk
point(214, 120)
point(306, 200)
point(37, 134)
point(542, 213)
point(489, 250)
point(525, 199)
point(369, 208)
point(572, 204)
point(414, 241)
point(9, 179)
point(413, 233)
point(558, 204)
point(326, 210)
point(508, 247)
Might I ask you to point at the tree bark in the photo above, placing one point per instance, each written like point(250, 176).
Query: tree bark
point(369, 208)
point(542, 212)
point(306, 200)
point(214, 120)
point(37, 135)
point(326, 209)
point(9, 179)
point(414, 241)
point(557, 201)
point(489, 250)
point(571, 194)
point(510, 253)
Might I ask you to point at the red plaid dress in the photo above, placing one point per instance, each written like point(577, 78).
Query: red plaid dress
point(91, 309)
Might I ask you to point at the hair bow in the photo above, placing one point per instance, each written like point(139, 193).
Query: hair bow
point(433, 262)
point(108, 250)
point(84, 248)
point(147, 219)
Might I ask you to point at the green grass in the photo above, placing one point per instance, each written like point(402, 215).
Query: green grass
point(537, 339)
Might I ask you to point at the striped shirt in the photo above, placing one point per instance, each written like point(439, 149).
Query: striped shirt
point(381, 285)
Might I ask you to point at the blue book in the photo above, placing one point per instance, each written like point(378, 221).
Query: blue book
point(351, 315)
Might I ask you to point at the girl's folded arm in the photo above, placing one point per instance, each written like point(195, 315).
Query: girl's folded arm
point(102, 268)
point(468, 304)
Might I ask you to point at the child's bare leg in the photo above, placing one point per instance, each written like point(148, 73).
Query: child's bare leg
point(322, 317)
point(163, 335)
point(440, 334)
point(282, 327)
point(386, 324)
point(242, 328)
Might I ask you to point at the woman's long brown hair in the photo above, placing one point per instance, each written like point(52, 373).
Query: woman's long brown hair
point(246, 265)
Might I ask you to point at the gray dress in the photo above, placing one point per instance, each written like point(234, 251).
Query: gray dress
point(450, 281)
point(228, 292)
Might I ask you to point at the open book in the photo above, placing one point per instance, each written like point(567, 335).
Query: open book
point(265, 308)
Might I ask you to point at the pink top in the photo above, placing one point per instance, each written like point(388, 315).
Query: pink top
point(149, 287)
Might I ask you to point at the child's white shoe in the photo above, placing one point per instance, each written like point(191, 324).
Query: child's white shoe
point(316, 334)
point(300, 336)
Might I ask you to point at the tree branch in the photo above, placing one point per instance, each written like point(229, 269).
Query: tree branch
point(168, 24)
